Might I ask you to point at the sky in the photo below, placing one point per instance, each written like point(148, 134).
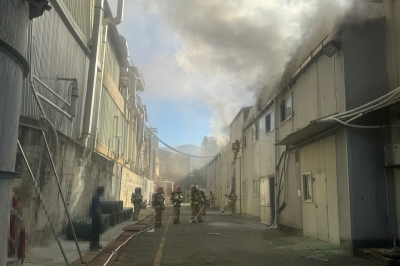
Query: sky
point(203, 60)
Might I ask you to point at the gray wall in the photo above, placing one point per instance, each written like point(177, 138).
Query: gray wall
point(80, 172)
point(365, 78)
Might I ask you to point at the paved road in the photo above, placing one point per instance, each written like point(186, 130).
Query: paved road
point(227, 240)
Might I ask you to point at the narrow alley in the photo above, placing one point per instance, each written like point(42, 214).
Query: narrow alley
point(220, 240)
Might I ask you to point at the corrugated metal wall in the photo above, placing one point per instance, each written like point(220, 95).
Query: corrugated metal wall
point(55, 53)
point(111, 124)
point(80, 10)
point(111, 63)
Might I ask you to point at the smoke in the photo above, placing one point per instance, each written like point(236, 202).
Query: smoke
point(232, 53)
point(241, 47)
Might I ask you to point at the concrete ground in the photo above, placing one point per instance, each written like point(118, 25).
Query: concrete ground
point(220, 240)
point(50, 255)
point(227, 240)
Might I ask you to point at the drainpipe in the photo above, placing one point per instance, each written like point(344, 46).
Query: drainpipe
point(106, 22)
point(275, 225)
point(92, 75)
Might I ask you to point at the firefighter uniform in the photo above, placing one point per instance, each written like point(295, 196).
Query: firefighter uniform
point(203, 203)
point(195, 200)
point(212, 200)
point(158, 204)
point(235, 148)
point(137, 200)
point(176, 200)
point(231, 199)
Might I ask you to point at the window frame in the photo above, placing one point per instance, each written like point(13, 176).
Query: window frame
point(306, 196)
point(271, 124)
point(283, 108)
point(244, 188)
point(255, 131)
point(256, 187)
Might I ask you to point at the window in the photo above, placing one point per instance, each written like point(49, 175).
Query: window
point(244, 187)
point(286, 108)
point(255, 131)
point(307, 181)
point(256, 187)
point(244, 144)
point(269, 122)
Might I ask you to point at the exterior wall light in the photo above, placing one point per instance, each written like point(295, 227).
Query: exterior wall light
point(331, 48)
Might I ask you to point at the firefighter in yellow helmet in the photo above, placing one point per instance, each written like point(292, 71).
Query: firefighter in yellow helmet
point(176, 200)
point(158, 203)
point(195, 200)
point(137, 200)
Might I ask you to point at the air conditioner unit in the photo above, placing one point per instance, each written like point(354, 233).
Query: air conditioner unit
point(392, 154)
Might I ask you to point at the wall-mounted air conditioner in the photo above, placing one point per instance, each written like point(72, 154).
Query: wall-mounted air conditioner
point(392, 154)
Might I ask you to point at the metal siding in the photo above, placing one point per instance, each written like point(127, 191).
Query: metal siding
point(327, 99)
point(55, 53)
point(111, 62)
point(321, 216)
point(80, 10)
point(111, 123)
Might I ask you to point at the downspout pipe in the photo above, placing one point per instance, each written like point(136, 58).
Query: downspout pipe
point(106, 22)
point(94, 58)
point(275, 225)
point(92, 73)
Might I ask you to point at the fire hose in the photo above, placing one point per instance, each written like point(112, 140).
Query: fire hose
point(195, 218)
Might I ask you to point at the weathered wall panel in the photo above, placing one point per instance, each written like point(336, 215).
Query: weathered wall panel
point(55, 53)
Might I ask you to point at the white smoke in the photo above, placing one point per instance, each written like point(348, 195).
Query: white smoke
point(227, 50)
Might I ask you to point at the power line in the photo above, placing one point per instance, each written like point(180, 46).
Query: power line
point(194, 156)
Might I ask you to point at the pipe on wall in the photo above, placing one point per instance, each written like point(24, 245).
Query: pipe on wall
point(92, 73)
point(275, 225)
point(105, 23)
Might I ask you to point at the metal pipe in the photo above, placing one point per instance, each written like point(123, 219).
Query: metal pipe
point(55, 136)
point(42, 202)
point(275, 225)
point(60, 190)
point(107, 21)
point(55, 107)
point(92, 73)
point(50, 90)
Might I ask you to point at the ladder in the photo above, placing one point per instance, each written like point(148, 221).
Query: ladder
point(228, 185)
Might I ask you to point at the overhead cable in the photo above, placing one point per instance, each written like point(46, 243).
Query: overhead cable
point(188, 155)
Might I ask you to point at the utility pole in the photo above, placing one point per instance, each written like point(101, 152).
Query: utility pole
point(13, 69)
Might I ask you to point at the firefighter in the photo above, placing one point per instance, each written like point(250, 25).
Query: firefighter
point(203, 203)
point(212, 200)
point(176, 200)
point(158, 203)
point(231, 200)
point(235, 148)
point(137, 200)
point(195, 200)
